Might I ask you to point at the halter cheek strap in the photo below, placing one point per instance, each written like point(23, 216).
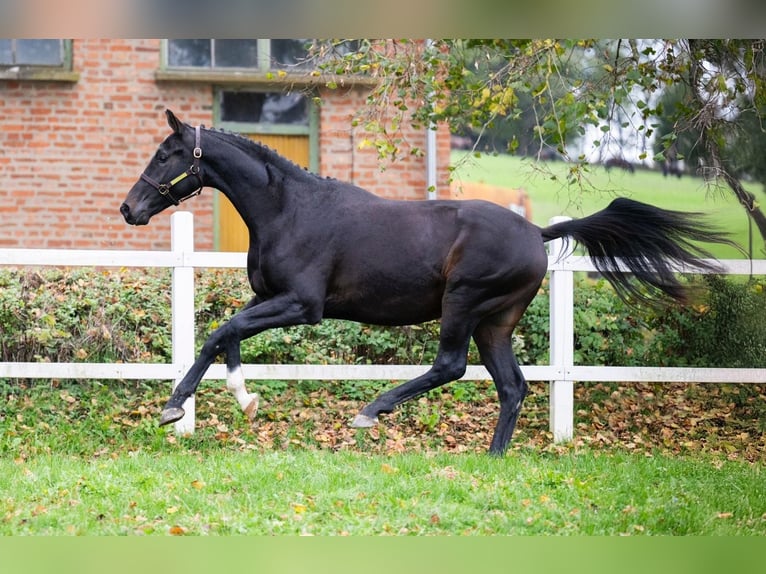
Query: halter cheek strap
point(165, 188)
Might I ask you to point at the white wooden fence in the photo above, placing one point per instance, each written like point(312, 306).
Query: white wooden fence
point(561, 373)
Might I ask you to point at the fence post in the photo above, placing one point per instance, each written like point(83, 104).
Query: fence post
point(182, 301)
point(561, 341)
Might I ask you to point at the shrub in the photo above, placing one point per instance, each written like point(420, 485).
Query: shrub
point(725, 329)
point(84, 315)
point(113, 315)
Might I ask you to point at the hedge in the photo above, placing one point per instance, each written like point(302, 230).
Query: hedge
point(97, 315)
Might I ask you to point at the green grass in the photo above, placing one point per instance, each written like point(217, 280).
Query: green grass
point(551, 197)
point(88, 459)
point(315, 492)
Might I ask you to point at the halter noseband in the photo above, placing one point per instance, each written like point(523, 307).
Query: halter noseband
point(164, 188)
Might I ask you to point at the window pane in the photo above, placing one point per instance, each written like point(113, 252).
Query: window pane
point(236, 53)
point(189, 53)
point(241, 106)
point(347, 47)
point(268, 108)
point(39, 52)
point(289, 53)
point(6, 54)
point(285, 109)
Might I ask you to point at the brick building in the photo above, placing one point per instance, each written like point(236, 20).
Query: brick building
point(80, 119)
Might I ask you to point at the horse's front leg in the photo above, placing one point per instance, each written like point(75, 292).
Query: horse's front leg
point(235, 378)
point(281, 311)
point(235, 382)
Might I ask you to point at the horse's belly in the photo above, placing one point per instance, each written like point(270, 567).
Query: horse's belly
point(386, 310)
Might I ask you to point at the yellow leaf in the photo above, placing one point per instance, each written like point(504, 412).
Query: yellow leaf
point(388, 469)
point(198, 484)
point(177, 531)
point(299, 508)
point(172, 509)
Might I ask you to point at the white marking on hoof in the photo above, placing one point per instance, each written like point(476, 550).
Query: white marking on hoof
point(235, 382)
point(363, 422)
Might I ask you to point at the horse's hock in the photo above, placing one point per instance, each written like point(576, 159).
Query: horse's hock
point(515, 199)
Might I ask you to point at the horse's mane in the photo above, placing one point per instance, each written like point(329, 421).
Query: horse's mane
point(264, 153)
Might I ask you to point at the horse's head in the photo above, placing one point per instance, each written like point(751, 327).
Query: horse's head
point(173, 175)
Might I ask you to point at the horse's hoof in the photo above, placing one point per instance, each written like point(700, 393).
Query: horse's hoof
point(171, 415)
point(363, 422)
point(252, 409)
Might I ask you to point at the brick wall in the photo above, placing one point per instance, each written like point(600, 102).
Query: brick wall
point(343, 155)
point(69, 152)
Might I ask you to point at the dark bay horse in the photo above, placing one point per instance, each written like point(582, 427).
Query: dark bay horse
point(322, 248)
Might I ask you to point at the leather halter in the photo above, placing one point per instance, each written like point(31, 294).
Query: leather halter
point(165, 188)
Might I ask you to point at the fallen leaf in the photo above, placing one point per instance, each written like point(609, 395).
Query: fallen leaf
point(67, 397)
point(177, 531)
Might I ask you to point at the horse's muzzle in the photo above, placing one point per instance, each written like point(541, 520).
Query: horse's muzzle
point(130, 218)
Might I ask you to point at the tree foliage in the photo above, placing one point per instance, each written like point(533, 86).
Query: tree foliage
point(560, 90)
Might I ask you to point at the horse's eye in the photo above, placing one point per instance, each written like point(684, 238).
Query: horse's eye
point(162, 157)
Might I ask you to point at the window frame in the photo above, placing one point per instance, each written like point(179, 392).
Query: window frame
point(43, 72)
point(263, 76)
point(264, 60)
point(311, 129)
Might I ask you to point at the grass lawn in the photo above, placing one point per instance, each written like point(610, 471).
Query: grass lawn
point(91, 461)
point(552, 197)
point(315, 492)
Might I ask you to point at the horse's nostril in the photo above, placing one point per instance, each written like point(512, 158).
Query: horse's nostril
point(125, 210)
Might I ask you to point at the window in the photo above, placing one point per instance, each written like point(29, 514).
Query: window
point(256, 55)
point(248, 54)
point(50, 53)
point(32, 59)
point(287, 109)
point(265, 63)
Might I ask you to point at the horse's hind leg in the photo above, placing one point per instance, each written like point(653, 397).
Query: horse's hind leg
point(493, 339)
point(449, 366)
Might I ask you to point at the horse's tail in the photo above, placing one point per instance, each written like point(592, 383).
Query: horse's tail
point(651, 243)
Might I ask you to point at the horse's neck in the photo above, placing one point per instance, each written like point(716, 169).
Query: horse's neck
point(257, 188)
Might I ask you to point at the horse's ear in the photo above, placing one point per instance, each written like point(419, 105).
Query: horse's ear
point(174, 123)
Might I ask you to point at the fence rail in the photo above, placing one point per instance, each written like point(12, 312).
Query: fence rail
point(562, 373)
